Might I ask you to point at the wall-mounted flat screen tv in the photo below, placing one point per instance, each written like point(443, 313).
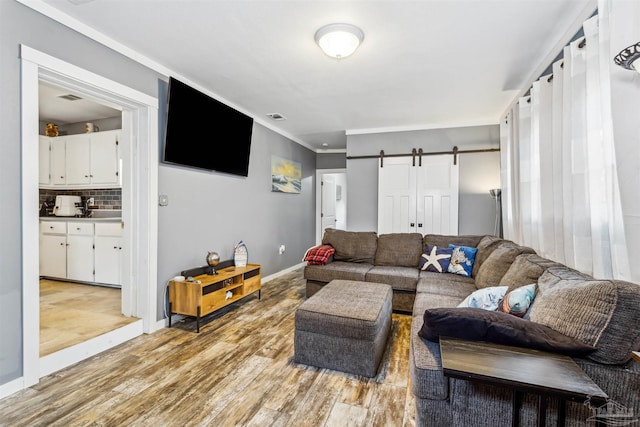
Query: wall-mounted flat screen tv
point(204, 133)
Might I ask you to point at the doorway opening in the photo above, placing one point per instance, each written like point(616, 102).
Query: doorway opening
point(139, 208)
point(331, 200)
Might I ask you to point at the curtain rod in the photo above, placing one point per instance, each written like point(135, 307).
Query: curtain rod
point(419, 153)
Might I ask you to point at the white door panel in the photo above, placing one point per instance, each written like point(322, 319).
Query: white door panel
point(328, 211)
point(421, 198)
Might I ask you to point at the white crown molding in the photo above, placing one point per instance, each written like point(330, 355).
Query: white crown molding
point(90, 32)
point(444, 125)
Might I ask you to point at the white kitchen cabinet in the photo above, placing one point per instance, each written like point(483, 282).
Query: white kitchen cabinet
point(53, 249)
point(77, 159)
point(58, 161)
point(104, 157)
point(108, 253)
point(80, 254)
point(83, 161)
point(44, 160)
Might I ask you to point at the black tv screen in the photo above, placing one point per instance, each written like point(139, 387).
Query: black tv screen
point(202, 132)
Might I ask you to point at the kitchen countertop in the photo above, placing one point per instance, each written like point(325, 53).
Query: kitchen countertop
point(97, 215)
point(79, 219)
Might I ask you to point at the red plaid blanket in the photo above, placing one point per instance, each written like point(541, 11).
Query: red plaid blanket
point(318, 255)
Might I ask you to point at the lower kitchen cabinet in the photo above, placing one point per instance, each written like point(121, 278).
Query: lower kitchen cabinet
point(80, 251)
point(83, 251)
point(53, 255)
point(108, 253)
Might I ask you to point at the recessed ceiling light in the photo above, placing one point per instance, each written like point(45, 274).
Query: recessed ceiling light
point(276, 116)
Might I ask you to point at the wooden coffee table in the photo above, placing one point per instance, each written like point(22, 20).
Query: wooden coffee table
point(524, 371)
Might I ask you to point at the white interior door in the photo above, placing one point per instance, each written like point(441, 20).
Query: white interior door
point(397, 196)
point(328, 213)
point(437, 196)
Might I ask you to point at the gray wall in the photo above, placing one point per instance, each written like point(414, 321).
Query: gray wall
point(213, 211)
point(206, 211)
point(478, 173)
point(331, 161)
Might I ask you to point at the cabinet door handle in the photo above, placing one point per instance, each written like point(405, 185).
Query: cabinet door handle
point(61, 244)
point(51, 227)
point(67, 244)
point(78, 228)
point(413, 224)
point(115, 247)
point(86, 176)
point(419, 225)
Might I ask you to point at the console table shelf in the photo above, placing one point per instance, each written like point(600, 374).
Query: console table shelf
point(208, 293)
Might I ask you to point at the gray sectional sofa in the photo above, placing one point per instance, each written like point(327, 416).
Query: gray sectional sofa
point(602, 313)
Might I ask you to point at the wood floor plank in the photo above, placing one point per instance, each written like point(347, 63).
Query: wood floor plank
point(237, 371)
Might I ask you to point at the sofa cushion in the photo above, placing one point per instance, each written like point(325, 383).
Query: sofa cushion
point(427, 380)
point(399, 249)
point(352, 246)
point(496, 327)
point(400, 278)
point(601, 313)
point(447, 278)
point(444, 240)
point(498, 263)
point(439, 285)
point(526, 269)
point(426, 301)
point(485, 247)
point(336, 270)
point(435, 259)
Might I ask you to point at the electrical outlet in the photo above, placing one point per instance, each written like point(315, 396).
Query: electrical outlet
point(281, 250)
point(92, 201)
point(163, 200)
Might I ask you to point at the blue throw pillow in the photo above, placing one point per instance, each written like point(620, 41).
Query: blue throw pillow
point(462, 259)
point(435, 259)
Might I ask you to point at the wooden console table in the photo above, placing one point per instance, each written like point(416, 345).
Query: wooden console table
point(524, 371)
point(208, 293)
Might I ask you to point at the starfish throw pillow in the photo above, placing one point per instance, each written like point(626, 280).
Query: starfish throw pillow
point(435, 259)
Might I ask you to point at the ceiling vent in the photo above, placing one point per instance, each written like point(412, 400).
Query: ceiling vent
point(70, 97)
point(276, 116)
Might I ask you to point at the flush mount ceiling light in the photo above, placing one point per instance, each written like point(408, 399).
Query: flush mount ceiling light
point(339, 40)
point(629, 57)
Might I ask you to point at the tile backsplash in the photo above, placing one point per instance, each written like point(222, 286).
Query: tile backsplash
point(104, 199)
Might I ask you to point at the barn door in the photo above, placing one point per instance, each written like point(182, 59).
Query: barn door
point(421, 198)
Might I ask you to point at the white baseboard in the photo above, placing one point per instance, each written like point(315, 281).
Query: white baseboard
point(74, 354)
point(11, 387)
point(282, 272)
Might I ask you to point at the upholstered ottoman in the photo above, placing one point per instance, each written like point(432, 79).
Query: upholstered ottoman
point(344, 326)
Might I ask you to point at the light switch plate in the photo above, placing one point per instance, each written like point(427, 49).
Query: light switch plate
point(163, 200)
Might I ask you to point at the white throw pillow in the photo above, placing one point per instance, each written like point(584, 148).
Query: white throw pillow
point(485, 298)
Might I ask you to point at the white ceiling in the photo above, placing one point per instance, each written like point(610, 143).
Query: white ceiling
point(423, 64)
point(54, 108)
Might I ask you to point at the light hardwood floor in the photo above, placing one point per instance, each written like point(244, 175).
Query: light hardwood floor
point(238, 371)
point(71, 313)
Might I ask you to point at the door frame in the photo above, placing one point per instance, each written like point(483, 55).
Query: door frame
point(319, 174)
point(139, 199)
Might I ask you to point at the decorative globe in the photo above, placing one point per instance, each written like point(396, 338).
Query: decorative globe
point(213, 258)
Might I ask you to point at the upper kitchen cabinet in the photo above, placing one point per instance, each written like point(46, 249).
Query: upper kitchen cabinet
point(81, 161)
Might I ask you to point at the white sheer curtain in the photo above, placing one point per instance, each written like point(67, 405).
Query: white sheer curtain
point(560, 187)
